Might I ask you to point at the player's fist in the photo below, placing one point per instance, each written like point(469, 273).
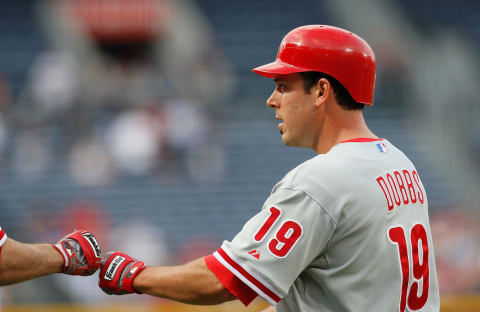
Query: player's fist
point(81, 253)
point(117, 272)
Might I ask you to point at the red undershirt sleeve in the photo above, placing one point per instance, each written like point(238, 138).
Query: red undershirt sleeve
point(3, 238)
point(232, 283)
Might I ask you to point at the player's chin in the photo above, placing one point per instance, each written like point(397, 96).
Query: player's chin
point(291, 141)
point(287, 140)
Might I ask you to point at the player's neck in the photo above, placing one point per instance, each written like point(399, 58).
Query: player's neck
point(338, 128)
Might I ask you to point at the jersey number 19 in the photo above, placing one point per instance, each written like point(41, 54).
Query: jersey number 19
point(285, 238)
point(398, 236)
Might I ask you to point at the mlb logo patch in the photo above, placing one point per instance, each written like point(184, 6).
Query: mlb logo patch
point(382, 147)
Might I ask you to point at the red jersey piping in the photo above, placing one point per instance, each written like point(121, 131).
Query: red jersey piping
point(232, 283)
point(361, 140)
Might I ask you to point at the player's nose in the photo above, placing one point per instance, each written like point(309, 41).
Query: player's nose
point(273, 100)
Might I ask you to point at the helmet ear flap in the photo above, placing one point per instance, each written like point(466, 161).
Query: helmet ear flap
point(330, 50)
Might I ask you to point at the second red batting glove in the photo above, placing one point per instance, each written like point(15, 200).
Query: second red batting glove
point(118, 270)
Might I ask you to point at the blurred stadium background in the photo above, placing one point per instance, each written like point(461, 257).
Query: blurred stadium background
point(141, 121)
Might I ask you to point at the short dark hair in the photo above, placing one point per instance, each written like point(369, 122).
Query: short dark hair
point(343, 97)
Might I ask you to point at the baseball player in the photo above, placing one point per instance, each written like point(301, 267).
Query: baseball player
point(347, 230)
point(76, 254)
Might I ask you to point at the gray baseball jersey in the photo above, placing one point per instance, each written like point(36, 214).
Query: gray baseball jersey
point(345, 231)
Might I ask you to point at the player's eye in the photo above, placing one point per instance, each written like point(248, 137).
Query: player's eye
point(281, 87)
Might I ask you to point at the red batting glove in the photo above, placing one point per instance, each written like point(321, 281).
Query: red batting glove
point(81, 253)
point(118, 270)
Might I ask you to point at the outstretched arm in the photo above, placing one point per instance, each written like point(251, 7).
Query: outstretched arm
point(191, 283)
point(21, 262)
point(76, 254)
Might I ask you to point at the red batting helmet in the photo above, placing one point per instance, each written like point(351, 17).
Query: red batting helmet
point(330, 50)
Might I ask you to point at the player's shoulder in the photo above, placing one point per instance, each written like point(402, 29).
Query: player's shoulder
point(320, 167)
point(334, 169)
point(314, 179)
point(335, 163)
point(310, 175)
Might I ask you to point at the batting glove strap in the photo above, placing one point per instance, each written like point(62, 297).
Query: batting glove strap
point(81, 253)
point(118, 271)
point(68, 254)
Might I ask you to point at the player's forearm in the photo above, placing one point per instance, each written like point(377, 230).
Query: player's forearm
point(20, 262)
point(191, 283)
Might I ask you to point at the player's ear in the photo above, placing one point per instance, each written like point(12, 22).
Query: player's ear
point(322, 91)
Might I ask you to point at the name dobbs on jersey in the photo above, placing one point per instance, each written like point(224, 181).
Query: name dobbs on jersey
point(401, 187)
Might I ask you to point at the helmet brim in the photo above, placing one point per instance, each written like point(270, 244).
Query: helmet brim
point(278, 67)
